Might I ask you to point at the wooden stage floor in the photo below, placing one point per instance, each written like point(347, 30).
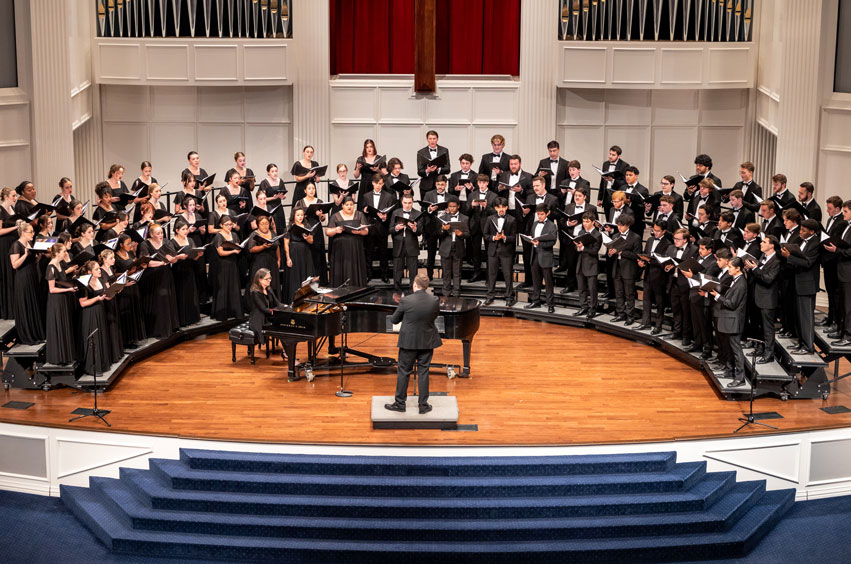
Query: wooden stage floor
point(533, 384)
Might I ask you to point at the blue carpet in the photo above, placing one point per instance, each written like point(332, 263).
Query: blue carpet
point(812, 531)
point(641, 507)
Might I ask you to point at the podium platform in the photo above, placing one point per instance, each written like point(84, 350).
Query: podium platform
point(444, 414)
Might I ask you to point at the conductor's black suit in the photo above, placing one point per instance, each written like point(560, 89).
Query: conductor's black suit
point(418, 337)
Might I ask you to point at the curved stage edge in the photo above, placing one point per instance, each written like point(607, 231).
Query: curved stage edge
point(50, 456)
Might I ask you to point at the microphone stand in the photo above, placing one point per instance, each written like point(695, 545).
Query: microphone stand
point(99, 413)
point(748, 419)
point(344, 338)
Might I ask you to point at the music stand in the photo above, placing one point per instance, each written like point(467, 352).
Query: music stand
point(748, 419)
point(95, 412)
point(344, 343)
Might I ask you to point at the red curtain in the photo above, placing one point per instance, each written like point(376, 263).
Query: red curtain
point(473, 37)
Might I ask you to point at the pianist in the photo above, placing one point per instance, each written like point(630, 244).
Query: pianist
point(418, 337)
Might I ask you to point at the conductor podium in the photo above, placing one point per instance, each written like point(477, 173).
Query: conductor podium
point(444, 414)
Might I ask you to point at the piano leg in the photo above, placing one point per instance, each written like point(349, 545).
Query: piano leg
point(466, 345)
point(290, 348)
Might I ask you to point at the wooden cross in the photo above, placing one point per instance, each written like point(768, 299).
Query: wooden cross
point(425, 43)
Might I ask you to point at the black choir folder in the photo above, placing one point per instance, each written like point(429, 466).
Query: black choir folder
point(439, 161)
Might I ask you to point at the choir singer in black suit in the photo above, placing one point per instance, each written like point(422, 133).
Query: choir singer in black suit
point(406, 247)
point(429, 173)
point(843, 273)
point(418, 337)
point(501, 233)
point(731, 322)
point(766, 292)
point(543, 234)
point(806, 283)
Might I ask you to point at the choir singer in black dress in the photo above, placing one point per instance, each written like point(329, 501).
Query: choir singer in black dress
point(418, 337)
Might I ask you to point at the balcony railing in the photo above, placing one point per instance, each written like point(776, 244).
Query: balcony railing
point(194, 18)
point(656, 20)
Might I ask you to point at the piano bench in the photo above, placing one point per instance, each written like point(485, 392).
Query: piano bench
point(242, 335)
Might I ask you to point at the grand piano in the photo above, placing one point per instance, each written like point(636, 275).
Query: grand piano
point(319, 315)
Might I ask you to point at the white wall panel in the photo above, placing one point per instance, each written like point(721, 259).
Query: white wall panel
point(119, 62)
point(126, 103)
point(453, 106)
point(675, 107)
point(127, 144)
point(398, 105)
point(660, 131)
point(673, 149)
point(347, 143)
point(584, 65)
point(171, 103)
point(353, 105)
point(15, 164)
point(633, 66)
point(628, 107)
point(265, 62)
point(167, 62)
point(726, 146)
point(216, 63)
point(681, 66)
point(492, 106)
point(170, 121)
point(220, 104)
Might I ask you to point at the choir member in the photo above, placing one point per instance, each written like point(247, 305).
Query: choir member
point(780, 194)
point(655, 279)
point(431, 227)
point(159, 301)
point(221, 210)
point(679, 287)
point(367, 165)
point(766, 291)
point(573, 181)
point(27, 304)
point(302, 173)
point(144, 180)
point(731, 322)
point(97, 354)
point(618, 208)
point(105, 213)
point(227, 299)
point(197, 234)
point(553, 168)
point(666, 188)
point(63, 201)
point(238, 197)
point(750, 189)
point(195, 170)
point(312, 219)
point(376, 206)
point(701, 318)
point(741, 214)
point(792, 234)
point(264, 252)
point(515, 184)
point(106, 261)
point(834, 227)
point(429, 173)
point(702, 225)
point(185, 275)
point(263, 301)
point(276, 191)
point(85, 234)
point(478, 207)
point(805, 198)
point(611, 183)
point(347, 262)
point(843, 273)
point(246, 175)
point(188, 182)
point(666, 213)
point(726, 235)
point(567, 253)
point(130, 310)
point(707, 196)
point(625, 270)
point(587, 266)
point(452, 245)
point(703, 167)
point(44, 228)
point(527, 216)
point(501, 233)
point(725, 352)
point(297, 247)
point(636, 194)
point(543, 237)
point(397, 180)
point(463, 180)
point(26, 198)
point(59, 325)
point(771, 224)
point(214, 222)
point(806, 283)
point(493, 164)
point(341, 186)
point(405, 229)
point(146, 216)
point(75, 209)
point(115, 182)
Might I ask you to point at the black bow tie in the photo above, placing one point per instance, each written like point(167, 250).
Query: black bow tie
point(553, 161)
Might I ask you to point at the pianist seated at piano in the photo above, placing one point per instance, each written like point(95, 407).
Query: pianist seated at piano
point(263, 301)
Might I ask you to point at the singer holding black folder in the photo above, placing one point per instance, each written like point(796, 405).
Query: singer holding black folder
point(297, 244)
point(302, 173)
point(348, 229)
point(27, 304)
point(428, 170)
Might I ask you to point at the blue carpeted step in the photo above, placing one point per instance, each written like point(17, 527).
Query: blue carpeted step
point(141, 516)
point(427, 466)
point(731, 543)
point(680, 477)
point(157, 493)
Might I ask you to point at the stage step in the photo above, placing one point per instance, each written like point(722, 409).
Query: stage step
point(182, 477)
point(427, 466)
point(738, 525)
point(157, 493)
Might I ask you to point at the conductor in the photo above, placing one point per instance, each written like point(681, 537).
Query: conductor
point(418, 337)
